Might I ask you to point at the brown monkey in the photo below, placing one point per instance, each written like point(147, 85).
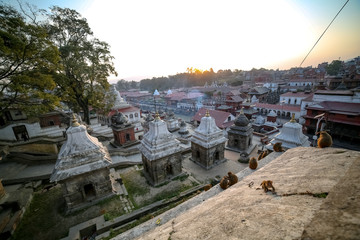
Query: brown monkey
point(277, 147)
point(266, 185)
point(260, 156)
point(324, 140)
point(207, 187)
point(224, 182)
point(232, 178)
point(253, 163)
point(264, 154)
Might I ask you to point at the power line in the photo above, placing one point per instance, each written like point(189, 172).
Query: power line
point(323, 33)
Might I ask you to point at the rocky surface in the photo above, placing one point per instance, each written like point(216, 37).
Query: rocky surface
point(302, 177)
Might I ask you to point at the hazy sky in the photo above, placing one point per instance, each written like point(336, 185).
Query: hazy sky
point(163, 37)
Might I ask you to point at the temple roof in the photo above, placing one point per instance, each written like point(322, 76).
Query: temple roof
point(158, 142)
point(81, 153)
point(291, 136)
point(241, 120)
point(119, 101)
point(208, 134)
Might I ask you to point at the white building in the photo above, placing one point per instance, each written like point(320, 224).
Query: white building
point(293, 98)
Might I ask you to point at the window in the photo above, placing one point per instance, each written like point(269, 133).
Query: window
point(89, 191)
point(136, 115)
point(18, 113)
point(131, 116)
point(51, 123)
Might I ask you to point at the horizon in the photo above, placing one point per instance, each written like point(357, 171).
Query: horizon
point(160, 38)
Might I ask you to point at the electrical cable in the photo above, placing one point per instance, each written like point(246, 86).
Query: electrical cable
point(323, 33)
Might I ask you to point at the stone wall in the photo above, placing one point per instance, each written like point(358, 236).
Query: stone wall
point(162, 169)
point(238, 141)
point(88, 187)
point(207, 157)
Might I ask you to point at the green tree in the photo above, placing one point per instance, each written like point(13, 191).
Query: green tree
point(85, 59)
point(334, 67)
point(27, 59)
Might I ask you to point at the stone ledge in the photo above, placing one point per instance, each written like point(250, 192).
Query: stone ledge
point(244, 211)
point(200, 199)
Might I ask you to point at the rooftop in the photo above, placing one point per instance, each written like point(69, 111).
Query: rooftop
point(220, 116)
point(296, 94)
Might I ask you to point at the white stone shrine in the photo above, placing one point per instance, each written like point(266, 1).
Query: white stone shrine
point(208, 143)
point(290, 136)
point(82, 168)
point(161, 153)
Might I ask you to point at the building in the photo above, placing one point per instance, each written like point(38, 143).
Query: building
point(340, 118)
point(15, 126)
point(208, 143)
point(123, 131)
point(161, 153)
point(120, 105)
point(240, 134)
point(223, 120)
point(172, 122)
point(281, 110)
point(291, 136)
point(82, 169)
point(294, 98)
point(259, 92)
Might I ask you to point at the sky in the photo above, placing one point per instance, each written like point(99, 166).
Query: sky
point(153, 38)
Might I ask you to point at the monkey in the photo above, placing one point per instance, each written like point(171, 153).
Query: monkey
point(324, 140)
point(266, 185)
point(207, 187)
point(253, 163)
point(263, 155)
point(277, 147)
point(232, 178)
point(224, 182)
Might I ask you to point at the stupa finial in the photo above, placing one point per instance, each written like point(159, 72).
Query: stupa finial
point(207, 113)
point(157, 116)
point(74, 122)
point(242, 110)
point(293, 118)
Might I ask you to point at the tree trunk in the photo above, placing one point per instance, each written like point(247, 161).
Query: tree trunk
point(85, 107)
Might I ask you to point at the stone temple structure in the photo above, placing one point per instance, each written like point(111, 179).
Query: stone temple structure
point(290, 135)
point(241, 134)
point(161, 153)
point(183, 129)
point(208, 143)
point(82, 169)
point(172, 122)
point(124, 134)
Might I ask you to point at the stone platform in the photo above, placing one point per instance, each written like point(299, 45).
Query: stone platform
point(317, 197)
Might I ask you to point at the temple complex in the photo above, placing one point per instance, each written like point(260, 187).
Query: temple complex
point(290, 135)
point(240, 134)
point(208, 143)
point(82, 169)
point(161, 153)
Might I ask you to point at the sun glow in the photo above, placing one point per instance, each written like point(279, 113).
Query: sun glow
point(160, 37)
